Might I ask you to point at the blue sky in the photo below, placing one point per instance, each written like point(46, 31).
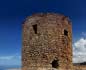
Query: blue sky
point(13, 13)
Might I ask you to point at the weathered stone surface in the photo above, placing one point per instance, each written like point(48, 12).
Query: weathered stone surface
point(47, 42)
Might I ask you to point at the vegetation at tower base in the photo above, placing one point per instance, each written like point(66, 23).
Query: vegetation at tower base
point(47, 42)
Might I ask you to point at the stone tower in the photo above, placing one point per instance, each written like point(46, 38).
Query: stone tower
point(47, 42)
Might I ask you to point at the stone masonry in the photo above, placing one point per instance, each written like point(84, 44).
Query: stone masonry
point(47, 42)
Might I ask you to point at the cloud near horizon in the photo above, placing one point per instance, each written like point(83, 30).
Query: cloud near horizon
point(10, 60)
point(79, 51)
point(6, 57)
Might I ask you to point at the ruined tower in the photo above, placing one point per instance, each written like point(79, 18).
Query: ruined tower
point(47, 42)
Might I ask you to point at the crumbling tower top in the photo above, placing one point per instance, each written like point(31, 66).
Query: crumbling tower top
point(51, 16)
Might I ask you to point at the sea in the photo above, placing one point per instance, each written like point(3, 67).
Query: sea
point(9, 67)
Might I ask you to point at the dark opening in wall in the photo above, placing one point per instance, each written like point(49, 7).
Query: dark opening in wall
point(55, 64)
point(66, 32)
point(35, 28)
point(64, 18)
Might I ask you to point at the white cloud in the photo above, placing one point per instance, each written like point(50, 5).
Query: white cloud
point(79, 51)
point(14, 69)
point(10, 60)
point(9, 57)
point(6, 57)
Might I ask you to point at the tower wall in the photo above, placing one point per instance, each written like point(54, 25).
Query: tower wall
point(47, 42)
